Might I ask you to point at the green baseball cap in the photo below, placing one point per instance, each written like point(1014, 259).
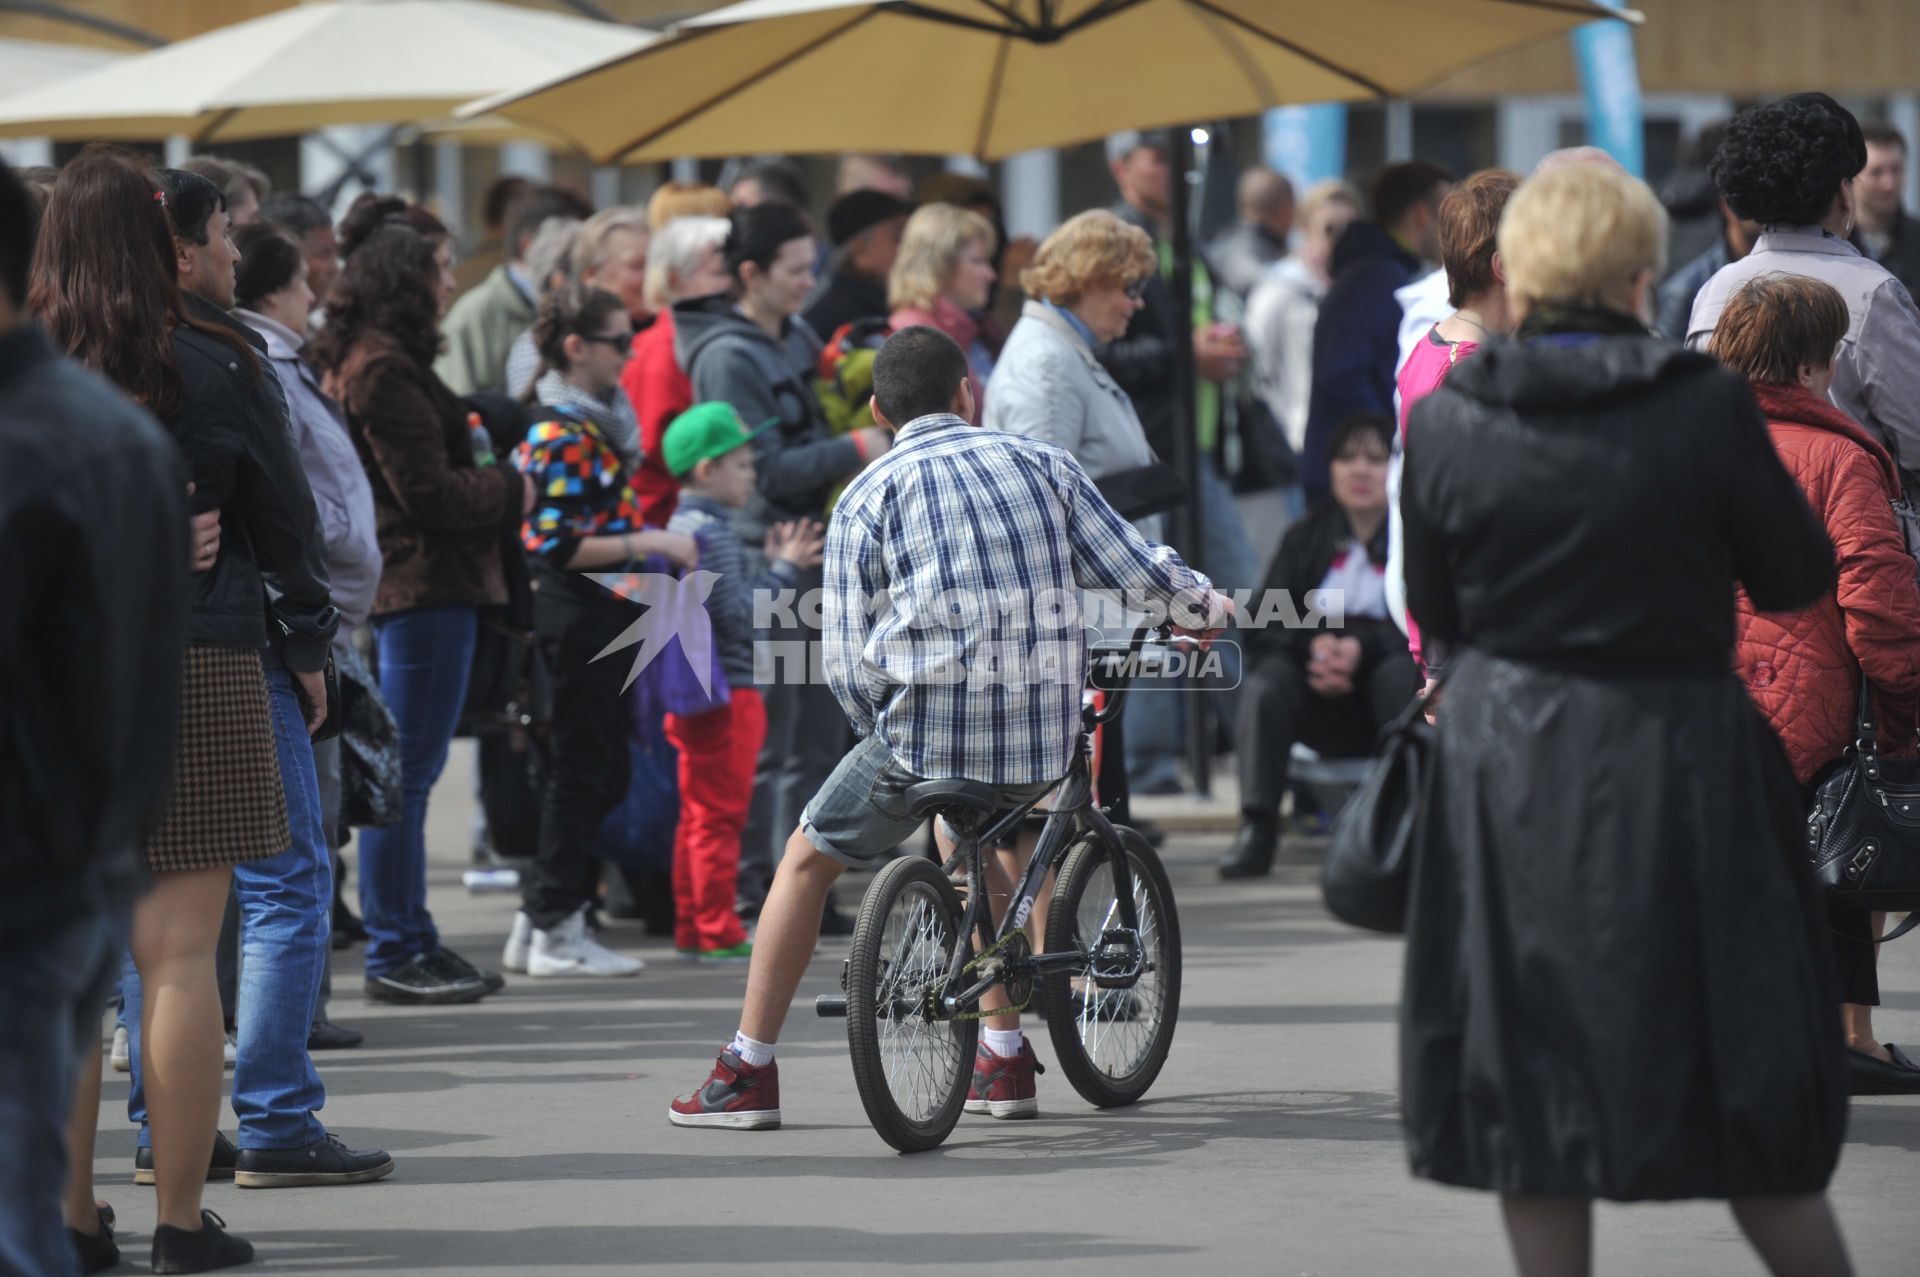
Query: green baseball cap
point(704, 431)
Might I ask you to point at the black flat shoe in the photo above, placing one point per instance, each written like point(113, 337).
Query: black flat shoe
point(1869, 1076)
point(1251, 855)
point(210, 1246)
point(219, 1165)
point(328, 1036)
point(420, 981)
point(96, 1252)
point(324, 1162)
point(454, 964)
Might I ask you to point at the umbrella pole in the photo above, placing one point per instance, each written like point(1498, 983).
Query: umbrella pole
point(1186, 443)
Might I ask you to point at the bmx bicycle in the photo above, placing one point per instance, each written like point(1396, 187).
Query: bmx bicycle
point(922, 957)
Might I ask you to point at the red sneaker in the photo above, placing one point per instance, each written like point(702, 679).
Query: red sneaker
point(1004, 1087)
point(736, 1096)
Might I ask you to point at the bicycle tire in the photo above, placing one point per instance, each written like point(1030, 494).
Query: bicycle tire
point(920, 897)
point(1110, 1057)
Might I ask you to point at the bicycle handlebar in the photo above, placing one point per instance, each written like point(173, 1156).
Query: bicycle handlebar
point(1117, 695)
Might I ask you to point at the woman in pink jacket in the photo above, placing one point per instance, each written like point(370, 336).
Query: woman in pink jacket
point(943, 279)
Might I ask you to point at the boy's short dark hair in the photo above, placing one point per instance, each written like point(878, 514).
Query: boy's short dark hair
point(1400, 187)
point(531, 209)
point(1358, 430)
point(298, 213)
point(917, 373)
point(192, 200)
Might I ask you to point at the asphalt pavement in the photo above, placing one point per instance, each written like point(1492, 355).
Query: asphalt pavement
point(531, 1136)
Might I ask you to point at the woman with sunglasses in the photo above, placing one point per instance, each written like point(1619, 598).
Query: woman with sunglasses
point(1084, 285)
point(586, 520)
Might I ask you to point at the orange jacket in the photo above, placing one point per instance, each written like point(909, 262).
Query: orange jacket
point(1803, 668)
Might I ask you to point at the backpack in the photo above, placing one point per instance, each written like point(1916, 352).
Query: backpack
point(844, 384)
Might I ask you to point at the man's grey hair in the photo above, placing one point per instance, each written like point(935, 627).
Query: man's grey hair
point(676, 250)
point(551, 252)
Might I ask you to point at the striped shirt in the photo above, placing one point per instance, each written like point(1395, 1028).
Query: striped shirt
point(953, 578)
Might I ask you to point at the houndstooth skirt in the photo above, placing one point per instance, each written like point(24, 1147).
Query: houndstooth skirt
point(227, 803)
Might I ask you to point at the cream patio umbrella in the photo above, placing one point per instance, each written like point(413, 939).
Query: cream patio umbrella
point(315, 65)
point(994, 77)
point(28, 64)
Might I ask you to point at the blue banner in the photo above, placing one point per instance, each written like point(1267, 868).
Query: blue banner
point(1307, 143)
point(1610, 77)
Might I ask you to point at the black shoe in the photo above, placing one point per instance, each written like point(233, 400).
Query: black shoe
point(1251, 855)
point(422, 981)
point(323, 1162)
point(1868, 1076)
point(453, 964)
point(219, 1166)
point(211, 1246)
point(95, 1252)
point(834, 922)
point(328, 1036)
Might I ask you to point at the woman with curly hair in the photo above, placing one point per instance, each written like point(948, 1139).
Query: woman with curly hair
point(440, 519)
point(1790, 166)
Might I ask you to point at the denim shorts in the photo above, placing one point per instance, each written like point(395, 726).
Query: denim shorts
point(861, 812)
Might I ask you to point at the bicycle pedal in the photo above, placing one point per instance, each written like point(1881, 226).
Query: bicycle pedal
point(829, 1007)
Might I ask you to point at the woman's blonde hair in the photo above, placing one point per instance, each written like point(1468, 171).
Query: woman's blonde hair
point(1322, 193)
point(591, 243)
point(1091, 250)
point(675, 200)
point(1581, 234)
point(930, 249)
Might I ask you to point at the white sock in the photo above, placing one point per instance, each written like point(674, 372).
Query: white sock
point(1004, 1043)
point(758, 1054)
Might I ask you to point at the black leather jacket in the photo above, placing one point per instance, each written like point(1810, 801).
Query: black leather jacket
point(268, 589)
point(1141, 360)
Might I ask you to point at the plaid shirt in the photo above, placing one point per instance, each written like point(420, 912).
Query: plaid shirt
point(978, 540)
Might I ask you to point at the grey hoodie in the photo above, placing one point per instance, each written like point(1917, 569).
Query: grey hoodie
point(730, 358)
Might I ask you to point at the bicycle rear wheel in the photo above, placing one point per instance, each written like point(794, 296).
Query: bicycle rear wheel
point(1111, 1043)
point(912, 1071)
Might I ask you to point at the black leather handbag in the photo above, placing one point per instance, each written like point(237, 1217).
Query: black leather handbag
point(1379, 832)
point(1863, 827)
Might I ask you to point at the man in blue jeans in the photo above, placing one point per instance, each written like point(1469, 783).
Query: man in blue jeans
point(286, 901)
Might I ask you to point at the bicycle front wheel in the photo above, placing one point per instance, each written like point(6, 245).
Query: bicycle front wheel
point(1112, 1042)
point(912, 1070)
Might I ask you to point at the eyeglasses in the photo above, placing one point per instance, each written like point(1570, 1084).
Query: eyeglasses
point(1136, 290)
point(619, 341)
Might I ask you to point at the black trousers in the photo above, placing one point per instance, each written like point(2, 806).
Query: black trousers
point(1277, 708)
point(588, 764)
point(1853, 954)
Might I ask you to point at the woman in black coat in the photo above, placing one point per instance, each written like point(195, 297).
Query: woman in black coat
point(1617, 979)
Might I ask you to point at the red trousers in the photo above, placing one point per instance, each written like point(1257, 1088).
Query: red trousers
point(718, 750)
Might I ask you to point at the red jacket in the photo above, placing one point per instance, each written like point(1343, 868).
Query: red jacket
point(1803, 668)
point(658, 388)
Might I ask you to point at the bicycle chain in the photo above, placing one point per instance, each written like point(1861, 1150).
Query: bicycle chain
point(1002, 942)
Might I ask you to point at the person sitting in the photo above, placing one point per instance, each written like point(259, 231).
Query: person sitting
point(951, 507)
point(1803, 669)
point(1331, 688)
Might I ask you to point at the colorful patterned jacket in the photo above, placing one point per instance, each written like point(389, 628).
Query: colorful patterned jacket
point(581, 490)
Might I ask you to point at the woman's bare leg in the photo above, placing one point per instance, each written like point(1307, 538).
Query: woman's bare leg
point(1550, 1236)
point(83, 1123)
point(175, 929)
point(1795, 1236)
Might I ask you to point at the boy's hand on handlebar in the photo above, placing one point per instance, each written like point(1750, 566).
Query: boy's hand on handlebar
point(1219, 616)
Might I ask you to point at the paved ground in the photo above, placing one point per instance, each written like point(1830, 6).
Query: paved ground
point(531, 1138)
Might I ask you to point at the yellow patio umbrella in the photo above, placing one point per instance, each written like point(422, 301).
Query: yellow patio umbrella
point(131, 25)
point(315, 65)
point(994, 77)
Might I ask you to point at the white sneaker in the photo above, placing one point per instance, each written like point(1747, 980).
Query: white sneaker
point(569, 950)
point(121, 1056)
point(514, 956)
point(230, 1050)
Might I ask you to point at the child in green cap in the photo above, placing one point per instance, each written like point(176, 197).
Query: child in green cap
point(707, 448)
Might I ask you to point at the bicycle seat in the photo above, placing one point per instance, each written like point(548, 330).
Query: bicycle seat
point(930, 796)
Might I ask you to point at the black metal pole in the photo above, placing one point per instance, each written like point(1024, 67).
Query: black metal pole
point(1186, 442)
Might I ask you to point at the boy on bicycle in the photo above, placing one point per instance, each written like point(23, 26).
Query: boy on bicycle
point(947, 564)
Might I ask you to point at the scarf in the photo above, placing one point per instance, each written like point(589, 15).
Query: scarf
point(614, 415)
point(1560, 319)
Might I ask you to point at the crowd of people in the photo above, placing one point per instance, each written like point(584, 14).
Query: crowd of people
point(340, 476)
